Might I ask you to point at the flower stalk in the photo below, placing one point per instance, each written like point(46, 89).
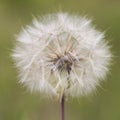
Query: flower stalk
point(63, 108)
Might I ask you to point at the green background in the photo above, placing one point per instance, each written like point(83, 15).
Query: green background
point(18, 104)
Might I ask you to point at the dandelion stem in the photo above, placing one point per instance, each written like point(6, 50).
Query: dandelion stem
point(63, 108)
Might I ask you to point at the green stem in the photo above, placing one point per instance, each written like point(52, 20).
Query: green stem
point(63, 108)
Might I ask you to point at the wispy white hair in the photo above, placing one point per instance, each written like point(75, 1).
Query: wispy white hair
point(61, 54)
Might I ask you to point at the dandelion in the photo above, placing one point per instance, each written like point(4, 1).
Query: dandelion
point(61, 56)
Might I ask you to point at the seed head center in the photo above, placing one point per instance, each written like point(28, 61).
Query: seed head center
point(63, 62)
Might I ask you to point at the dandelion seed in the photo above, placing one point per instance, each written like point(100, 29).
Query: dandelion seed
point(62, 55)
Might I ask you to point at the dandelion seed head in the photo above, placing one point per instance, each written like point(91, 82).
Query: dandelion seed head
point(62, 54)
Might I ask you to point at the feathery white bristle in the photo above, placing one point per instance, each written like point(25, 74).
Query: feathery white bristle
point(62, 54)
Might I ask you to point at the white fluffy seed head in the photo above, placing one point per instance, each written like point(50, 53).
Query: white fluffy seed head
point(61, 54)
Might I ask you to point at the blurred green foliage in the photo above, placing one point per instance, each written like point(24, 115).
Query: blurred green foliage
point(18, 104)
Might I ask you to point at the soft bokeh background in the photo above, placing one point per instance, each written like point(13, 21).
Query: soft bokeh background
point(18, 104)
